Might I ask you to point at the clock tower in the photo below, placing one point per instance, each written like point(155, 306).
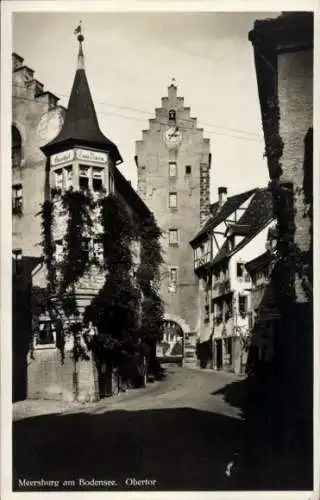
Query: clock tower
point(173, 161)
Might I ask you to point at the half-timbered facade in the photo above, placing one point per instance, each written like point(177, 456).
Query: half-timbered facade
point(234, 233)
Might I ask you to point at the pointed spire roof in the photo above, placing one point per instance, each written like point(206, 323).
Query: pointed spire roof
point(81, 125)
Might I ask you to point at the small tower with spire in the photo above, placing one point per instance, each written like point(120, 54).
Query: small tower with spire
point(80, 159)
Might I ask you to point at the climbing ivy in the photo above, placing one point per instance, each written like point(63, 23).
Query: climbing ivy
point(115, 309)
point(62, 302)
point(148, 276)
point(48, 244)
point(76, 261)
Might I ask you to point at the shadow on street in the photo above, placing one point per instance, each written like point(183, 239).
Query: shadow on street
point(290, 469)
point(182, 449)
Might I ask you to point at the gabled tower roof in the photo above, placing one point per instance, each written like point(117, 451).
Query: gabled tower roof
point(81, 125)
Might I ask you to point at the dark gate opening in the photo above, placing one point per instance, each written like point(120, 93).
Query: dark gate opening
point(171, 347)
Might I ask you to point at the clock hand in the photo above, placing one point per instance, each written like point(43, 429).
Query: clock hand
point(174, 133)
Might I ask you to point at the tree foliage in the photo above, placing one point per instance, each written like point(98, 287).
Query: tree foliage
point(127, 311)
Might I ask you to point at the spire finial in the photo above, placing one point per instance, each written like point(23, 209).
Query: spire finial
point(173, 81)
point(80, 39)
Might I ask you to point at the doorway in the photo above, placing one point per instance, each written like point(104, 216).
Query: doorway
point(219, 354)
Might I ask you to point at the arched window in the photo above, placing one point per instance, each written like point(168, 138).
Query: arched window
point(15, 147)
point(172, 115)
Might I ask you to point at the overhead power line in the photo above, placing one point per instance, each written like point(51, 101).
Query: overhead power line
point(151, 114)
point(134, 118)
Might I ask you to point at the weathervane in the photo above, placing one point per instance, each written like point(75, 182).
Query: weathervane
point(80, 38)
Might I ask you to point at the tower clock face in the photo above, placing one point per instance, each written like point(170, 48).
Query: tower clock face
point(49, 126)
point(172, 136)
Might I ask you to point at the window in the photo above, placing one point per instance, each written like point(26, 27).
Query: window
point(228, 351)
point(206, 313)
point(84, 178)
point(59, 251)
point(173, 237)
point(111, 183)
point(173, 278)
point(83, 183)
point(17, 199)
point(98, 250)
point(173, 200)
point(68, 177)
point(172, 115)
point(243, 305)
point(97, 184)
point(251, 320)
point(15, 147)
point(45, 334)
point(172, 169)
point(240, 270)
point(97, 179)
point(188, 169)
point(17, 262)
point(85, 249)
point(58, 178)
point(173, 274)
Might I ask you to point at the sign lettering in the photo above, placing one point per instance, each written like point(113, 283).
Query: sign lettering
point(64, 157)
point(91, 156)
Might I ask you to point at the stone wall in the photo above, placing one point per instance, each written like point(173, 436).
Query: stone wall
point(38, 118)
point(48, 378)
point(295, 92)
point(193, 198)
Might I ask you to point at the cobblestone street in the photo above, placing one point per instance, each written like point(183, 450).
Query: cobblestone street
point(175, 432)
point(180, 434)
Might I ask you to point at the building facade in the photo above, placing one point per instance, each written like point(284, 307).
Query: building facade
point(36, 118)
point(265, 325)
point(283, 55)
point(173, 161)
point(74, 157)
point(234, 234)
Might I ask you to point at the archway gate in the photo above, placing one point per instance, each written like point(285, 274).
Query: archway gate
point(171, 347)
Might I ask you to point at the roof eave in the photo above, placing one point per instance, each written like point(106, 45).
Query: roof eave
point(58, 146)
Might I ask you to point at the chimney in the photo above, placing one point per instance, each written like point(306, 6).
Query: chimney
point(222, 194)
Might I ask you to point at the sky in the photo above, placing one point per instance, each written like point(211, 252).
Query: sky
point(131, 59)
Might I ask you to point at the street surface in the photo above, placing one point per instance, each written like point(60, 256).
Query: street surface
point(178, 434)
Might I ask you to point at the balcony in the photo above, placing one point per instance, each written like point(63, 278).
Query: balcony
point(222, 287)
